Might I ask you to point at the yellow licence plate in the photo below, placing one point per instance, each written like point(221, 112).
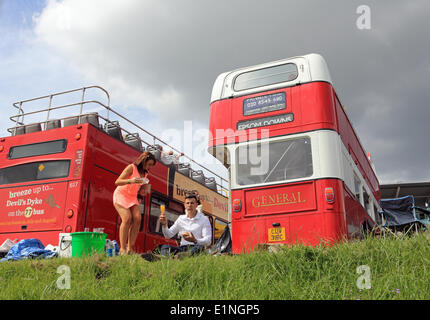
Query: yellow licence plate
point(276, 234)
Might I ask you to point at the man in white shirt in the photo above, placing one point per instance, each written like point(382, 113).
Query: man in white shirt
point(193, 227)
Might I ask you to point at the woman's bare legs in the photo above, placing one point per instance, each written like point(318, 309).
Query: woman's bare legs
point(126, 221)
point(134, 228)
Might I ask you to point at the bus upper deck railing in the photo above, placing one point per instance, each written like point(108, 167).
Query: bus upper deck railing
point(198, 174)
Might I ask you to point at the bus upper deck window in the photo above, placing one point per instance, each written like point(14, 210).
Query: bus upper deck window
point(264, 77)
point(38, 149)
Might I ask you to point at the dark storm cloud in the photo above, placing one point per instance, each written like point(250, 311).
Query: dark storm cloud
point(380, 74)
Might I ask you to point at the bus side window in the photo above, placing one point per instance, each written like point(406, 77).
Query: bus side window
point(366, 202)
point(154, 221)
point(357, 187)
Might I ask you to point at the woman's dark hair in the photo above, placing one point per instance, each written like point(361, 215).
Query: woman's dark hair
point(142, 160)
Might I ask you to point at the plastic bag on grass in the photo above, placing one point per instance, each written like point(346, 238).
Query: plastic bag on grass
point(28, 249)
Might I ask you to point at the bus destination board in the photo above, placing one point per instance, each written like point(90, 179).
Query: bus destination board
point(264, 122)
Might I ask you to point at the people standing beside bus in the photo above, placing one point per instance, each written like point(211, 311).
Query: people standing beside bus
point(193, 227)
point(126, 202)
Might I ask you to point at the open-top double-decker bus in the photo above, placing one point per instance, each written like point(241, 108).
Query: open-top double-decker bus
point(59, 165)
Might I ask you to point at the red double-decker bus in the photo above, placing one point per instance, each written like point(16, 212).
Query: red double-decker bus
point(57, 172)
point(298, 172)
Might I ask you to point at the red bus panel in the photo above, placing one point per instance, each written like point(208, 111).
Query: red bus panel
point(285, 199)
point(311, 106)
point(33, 208)
point(312, 221)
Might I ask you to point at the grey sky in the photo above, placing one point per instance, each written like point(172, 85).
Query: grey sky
point(164, 56)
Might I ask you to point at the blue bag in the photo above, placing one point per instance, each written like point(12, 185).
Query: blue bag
point(28, 249)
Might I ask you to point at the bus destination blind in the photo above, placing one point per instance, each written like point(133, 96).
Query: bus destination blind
point(267, 121)
point(263, 104)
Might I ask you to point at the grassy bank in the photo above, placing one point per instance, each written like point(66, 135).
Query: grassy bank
point(399, 269)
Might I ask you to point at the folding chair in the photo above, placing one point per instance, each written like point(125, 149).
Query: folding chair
point(423, 216)
point(399, 215)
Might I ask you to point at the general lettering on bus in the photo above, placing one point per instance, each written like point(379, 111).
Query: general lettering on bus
point(277, 200)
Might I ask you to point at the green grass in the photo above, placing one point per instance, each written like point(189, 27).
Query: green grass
point(399, 269)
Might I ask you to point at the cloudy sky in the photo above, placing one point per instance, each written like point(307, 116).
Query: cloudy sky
point(159, 58)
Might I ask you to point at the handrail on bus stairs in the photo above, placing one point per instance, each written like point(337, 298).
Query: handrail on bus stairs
point(18, 119)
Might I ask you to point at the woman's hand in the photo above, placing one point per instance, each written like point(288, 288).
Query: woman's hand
point(136, 180)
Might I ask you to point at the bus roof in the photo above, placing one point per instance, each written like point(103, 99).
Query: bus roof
point(311, 67)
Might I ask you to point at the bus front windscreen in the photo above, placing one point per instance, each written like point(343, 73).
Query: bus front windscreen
point(273, 161)
point(34, 171)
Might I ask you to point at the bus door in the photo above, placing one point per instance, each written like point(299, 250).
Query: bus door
point(99, 209)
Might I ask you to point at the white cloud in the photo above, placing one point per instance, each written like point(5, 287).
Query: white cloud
point(28, 69)
point(117, 47)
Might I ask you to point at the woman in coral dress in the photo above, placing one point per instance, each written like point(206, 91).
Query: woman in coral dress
point(125, 199)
